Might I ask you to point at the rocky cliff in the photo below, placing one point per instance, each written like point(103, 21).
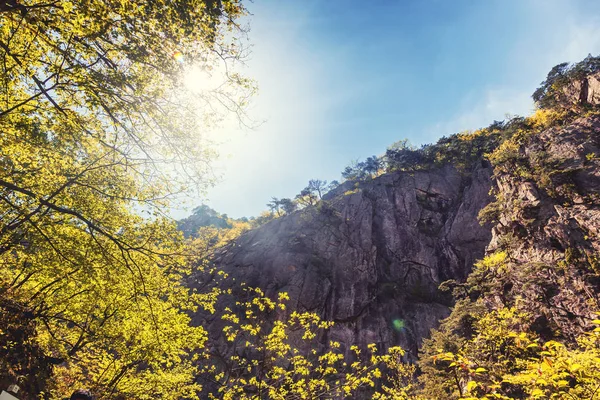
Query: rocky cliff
point(526, 317)
point(371, 259)
point(372, 254)
point(548, 221)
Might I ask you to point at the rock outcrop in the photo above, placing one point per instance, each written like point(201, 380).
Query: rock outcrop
point(585, 90)
point(367, 257)
point(372, 254)
point(550, 224)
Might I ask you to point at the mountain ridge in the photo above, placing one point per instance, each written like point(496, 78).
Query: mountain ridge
point(503, 221)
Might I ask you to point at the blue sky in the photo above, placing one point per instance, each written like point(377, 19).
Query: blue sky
point(341, 80)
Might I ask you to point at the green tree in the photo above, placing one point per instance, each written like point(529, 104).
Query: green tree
point(317, 186)
point(275, 206)
point(97, 128)
point(288, 205)
point(202, 216)
point(307, 197)
point(358, 170)
point(402, 155)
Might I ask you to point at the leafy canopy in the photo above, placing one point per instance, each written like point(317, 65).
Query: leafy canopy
point(96, 127)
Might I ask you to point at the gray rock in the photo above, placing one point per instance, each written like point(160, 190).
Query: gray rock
point(368, 258)
point(583, 91)
point(552, 227)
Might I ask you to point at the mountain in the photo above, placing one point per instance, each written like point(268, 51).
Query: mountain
point(202, 216)
point(373, 256)
point(504, 221)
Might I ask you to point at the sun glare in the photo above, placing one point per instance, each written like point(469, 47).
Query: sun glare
point(198, 80)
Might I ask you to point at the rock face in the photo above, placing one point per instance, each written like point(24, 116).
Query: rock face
point(367, 257)
point(570, 197)
point(584, 91)
point(550, 222)
point(593, 89)
point(372, 254)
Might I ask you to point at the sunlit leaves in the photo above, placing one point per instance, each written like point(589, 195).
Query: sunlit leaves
point(97, 131)
point(282, 355)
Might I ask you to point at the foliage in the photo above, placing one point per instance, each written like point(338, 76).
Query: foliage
point(558, 372)
point(102, 305)
point(510, 159)
point(554, 92)
point(403, 156)
point(208, 239)
point(279, 354)
point(502, 361)
point(461, 150)
point(97, 129)
point(544, 95)
point(519, 329)
point(22, 359)
point(515, 333)
point(312, 193)
point(263, 218)
point(360, 170)
point(288, 205)
point(350, 192)
point(202, 216)
point(399, 378)
point(467, 148)
point(309, 196)
point(274, 206)
point(512, 333)
point(317, 186)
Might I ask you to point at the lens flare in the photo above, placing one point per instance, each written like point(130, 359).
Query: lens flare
point(398, 324)
point(178, 56)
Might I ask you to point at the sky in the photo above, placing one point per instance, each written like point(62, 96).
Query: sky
point(341, 80)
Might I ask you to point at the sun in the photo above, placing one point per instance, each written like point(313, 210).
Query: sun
point(198, 79)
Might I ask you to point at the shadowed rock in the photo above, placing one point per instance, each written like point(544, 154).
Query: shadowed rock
point(373, 256)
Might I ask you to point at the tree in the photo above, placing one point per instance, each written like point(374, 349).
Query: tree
point(202, 216)
point(306, 198)
point(545, 94)
point(281, 207)
point(317, 186)
point(262, 219)
point(402, 155)
point(312, 193)
point(363, 169)
point(354, 171)
point(372, 165)
point(553, 91)
point(97, 129)
point(274, 205)
point(288, 205)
